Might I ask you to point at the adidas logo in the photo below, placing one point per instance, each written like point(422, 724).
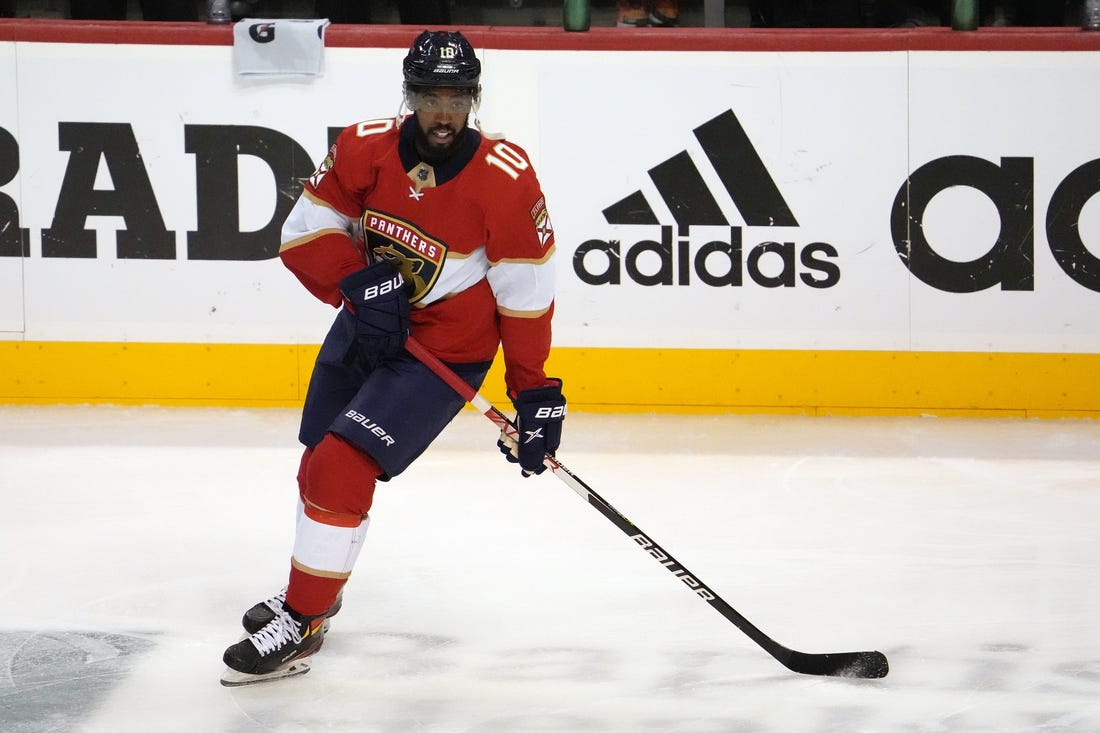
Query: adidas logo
point(684, 191)
point(681, 185)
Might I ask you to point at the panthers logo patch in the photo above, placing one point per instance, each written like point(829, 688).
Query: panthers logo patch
point(416, 255)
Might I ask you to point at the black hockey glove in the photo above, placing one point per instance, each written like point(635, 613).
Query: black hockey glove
point(539, 415)
point(377, 297)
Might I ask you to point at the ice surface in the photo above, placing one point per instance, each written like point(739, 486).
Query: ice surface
point(967, 551)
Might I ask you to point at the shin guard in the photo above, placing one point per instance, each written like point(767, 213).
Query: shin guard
point(339, 485)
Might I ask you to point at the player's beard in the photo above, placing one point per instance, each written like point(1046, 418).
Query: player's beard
point(434, 152)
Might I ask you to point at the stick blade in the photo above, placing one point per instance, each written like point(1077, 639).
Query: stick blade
point(859, 665)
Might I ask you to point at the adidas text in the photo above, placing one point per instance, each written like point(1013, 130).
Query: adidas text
point(717, 263)
point(1011, 188)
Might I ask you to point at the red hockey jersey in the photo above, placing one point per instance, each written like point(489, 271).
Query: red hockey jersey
point(472, 235)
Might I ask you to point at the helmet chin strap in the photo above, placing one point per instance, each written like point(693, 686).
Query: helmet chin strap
point(477, 121)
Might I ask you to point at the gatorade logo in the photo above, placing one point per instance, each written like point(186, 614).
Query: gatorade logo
point(262, 32)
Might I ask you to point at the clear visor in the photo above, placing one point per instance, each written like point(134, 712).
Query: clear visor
point(435, 101)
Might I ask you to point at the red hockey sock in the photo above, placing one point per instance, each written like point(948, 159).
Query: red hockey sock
point(312, 595)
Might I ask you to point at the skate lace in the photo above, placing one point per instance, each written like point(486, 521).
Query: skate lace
point(275, 603)
point(280, 631)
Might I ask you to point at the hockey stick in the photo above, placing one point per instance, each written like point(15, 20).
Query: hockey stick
point(844, 664)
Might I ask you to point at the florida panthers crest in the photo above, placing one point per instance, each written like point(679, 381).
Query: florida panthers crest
point(416, 255)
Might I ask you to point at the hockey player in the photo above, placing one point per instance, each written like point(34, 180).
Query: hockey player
point(415, 224)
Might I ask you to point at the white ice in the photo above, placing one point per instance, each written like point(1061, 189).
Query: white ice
point(966, 550)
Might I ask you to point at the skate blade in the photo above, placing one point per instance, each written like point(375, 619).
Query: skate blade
point(233, 678)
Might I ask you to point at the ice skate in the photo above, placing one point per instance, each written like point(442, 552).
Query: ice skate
point(261, 614)
point(275, 651)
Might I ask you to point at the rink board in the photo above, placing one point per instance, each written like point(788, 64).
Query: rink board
point(597, 380)
point(846, 222)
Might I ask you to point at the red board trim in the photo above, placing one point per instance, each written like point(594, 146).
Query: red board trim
point(597, 39)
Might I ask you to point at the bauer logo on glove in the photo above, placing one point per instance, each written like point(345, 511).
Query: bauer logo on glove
point(539, 415)
point(373, 291)
point(551, 413)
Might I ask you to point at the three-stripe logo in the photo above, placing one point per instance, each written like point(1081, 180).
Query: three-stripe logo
point(681, 185)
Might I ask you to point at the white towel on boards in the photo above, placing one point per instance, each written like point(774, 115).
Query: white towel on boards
point(282, 46)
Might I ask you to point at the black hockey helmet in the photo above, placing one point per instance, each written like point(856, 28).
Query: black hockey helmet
point(442, 59)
